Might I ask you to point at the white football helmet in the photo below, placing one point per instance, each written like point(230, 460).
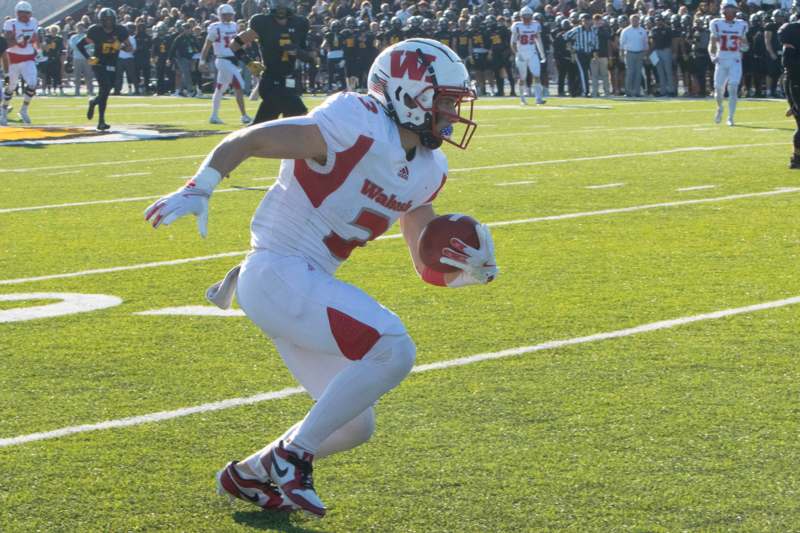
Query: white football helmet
point(728, 4)
point(226, 9)
point(408, 78)
point(24, 9)
point(526, 13)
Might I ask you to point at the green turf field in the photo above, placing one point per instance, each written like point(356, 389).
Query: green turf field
point(608, 215)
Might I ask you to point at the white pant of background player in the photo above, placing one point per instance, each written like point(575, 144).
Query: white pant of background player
point(25, 70)
point(727, 73)
point(327, 332)
point(529, 63)
point(228, 74)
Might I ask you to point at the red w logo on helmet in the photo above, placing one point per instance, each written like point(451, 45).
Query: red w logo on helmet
point(404, 62)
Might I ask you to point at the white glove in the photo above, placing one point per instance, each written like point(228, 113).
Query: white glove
point(192, 198)
point(477, 264)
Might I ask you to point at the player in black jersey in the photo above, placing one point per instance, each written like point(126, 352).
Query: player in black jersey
point(108, 38)
point(3, 70)
point(394, 35)
point(461, 40)
point(366, 51)
point(282, 38)
point(334, 53)
point(349, 37)
point(789, 36)
point(443, 33)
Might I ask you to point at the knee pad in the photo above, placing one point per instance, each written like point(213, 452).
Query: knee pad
point(30, 92)
point(396, 352)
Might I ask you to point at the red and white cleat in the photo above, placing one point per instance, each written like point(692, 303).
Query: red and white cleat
point(293, 476)
point(265, 495)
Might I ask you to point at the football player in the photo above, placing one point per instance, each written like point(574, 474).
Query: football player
point(220, 36)
point(283, 41)
point(349, 170)
point(789, 36)
point(3, 70)
point(108, 38)
point(22, 36)
point(728, 41)
point(526, 44)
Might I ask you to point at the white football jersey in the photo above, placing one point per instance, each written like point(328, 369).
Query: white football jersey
point(323, 213)
point(221, 34)
point(18, 30)
point(525, 37)
point(729, 37)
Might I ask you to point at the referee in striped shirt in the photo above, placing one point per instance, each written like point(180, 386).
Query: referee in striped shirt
point(583, 41)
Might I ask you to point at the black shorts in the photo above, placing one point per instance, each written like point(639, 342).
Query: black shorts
point(479, 62)
point(105, 75)
point(498, 61)
point(353, 67)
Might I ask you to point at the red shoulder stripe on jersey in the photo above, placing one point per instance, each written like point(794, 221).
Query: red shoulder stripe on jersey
point(436, 193)
point(353, 337)
point(319, 186)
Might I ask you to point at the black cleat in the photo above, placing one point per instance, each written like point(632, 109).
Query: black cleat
point(90, 111)
point(794, 162)
point(102, 126)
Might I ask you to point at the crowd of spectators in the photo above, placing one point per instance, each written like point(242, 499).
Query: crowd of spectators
point(593, 48)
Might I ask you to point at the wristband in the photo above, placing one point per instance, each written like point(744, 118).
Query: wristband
point(433, 277)
point(206, 179)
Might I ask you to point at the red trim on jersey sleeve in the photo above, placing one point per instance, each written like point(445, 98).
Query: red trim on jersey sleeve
point(436, 192)
point(319, 186)
point(353, 337)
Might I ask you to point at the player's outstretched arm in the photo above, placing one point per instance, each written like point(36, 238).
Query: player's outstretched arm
point(475, 265)
point(292, 138)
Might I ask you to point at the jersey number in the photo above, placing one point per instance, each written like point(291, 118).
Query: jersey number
point(729, 43)
point(374, 223)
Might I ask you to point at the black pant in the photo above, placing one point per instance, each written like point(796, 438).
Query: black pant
point(105, 81)
point(563, 66)
point(162, 77)
point(277, 100)
point(582, 70)
point(143, 74)
point(791, 86)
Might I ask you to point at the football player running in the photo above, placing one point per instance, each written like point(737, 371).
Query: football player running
point(349, 169)
point(728, 41)
point(22, 36)
point(220, 35)
point(526, 44)
point(108, 38)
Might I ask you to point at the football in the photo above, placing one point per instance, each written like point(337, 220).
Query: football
point(437, 234)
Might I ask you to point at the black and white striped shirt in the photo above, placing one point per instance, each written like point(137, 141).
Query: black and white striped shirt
point(584, 41)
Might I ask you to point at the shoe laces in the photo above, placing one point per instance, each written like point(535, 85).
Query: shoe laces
point(305, 468)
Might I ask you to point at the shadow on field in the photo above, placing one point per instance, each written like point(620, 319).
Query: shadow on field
point(762, 127)
point(270, 520)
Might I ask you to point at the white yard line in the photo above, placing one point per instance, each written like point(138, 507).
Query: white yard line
point(604, 129)
point(696, 188)
point(191, 310)
point(95, 202)
point(509, 183)
point(440, 365)
point(620, 156)
point(565, 216)
point(604, 186)
point(129, 174)
point(453, 170)
point(65, 172)
point(104, 163)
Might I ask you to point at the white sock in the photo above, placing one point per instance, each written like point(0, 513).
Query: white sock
point(216, 100)
point(733, 97)
point(356, 388)
point(718, 93)
point(537, 90)
point(352, 434)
